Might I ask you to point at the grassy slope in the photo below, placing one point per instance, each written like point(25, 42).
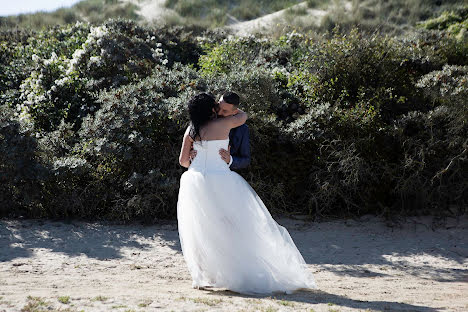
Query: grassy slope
point(394, 17)
point(94, 11)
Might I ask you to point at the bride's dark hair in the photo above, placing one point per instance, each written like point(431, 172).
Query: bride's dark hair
point(200, 109)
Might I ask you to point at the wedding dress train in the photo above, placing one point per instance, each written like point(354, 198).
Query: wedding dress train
point(227, 235)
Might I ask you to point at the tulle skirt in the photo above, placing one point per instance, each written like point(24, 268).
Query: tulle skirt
point(230, 240)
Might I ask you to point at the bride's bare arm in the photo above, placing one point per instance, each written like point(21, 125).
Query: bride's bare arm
point(184, 159)
point(236, 120)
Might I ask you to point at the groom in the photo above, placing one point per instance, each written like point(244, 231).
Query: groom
point(238, 154)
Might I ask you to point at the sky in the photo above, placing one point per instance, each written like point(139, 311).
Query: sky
point(14, 7)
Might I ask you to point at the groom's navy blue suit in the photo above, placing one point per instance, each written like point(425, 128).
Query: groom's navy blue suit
point(240, 147)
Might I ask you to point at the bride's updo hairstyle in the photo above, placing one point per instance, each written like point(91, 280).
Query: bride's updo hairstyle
point(200, 109)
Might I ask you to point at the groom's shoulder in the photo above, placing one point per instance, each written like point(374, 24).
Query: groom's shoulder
point(244, 126)
point(241, 129)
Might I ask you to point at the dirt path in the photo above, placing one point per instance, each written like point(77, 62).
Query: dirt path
point(358, 265)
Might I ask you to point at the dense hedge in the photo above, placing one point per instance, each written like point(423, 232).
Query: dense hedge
point(92, 119)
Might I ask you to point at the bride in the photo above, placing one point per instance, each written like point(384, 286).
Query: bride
point(227, 235)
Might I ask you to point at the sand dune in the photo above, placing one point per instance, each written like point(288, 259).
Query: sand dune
point(153, 11)
point(266, 22)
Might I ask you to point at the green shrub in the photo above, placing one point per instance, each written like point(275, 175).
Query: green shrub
point(92, 118)
point(62, 87)
point(447, 19)
point(20, 169)
point(132, 142)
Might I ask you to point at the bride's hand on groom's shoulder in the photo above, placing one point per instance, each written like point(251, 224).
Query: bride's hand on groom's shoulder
point(240, 111)
point(237, 119)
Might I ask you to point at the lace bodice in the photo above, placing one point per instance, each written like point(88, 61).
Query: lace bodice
point(208, 158)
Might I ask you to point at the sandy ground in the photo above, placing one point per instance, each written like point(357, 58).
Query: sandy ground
point(359, 265)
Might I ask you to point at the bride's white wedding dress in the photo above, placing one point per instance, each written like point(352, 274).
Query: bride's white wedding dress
point(227, 235)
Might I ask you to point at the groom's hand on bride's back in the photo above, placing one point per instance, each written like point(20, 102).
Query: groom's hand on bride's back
point(225, 154)
point(192, 153)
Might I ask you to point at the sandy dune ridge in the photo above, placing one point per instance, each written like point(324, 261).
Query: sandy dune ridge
point(154, 11)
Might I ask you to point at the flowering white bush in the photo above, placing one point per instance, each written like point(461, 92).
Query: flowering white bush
point(41, 88)
point(116, 53)
point(62, 86)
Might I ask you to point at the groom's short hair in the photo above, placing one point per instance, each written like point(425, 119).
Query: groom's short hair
point(231, 98)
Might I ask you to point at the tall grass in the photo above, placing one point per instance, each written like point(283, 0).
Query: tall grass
point(392, 17)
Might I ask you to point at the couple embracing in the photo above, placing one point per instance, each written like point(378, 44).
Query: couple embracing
point(228, 237)
point(237, 156)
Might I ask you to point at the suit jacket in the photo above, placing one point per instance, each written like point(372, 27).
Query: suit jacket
point(239, 140)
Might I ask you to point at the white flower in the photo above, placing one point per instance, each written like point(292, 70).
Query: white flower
point(94, 59)
point(61, 82)
point(70, 162)
point(280, 70)
point(98, 32)
point(77, 54)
